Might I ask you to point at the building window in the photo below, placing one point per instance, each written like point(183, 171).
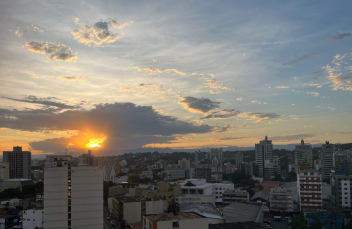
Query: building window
point(175, 225)
point(69, 223)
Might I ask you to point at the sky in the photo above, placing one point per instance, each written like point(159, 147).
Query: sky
point(173, 74)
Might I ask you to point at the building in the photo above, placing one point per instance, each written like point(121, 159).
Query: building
point(263, 151)
point(261, 197)
point(32, 218)
point(5, 171)
point(208, 211)
point(309, 187)
point(184, 163)
point(174, 174)
point(73, 195)
point(327, 159)
point(239, 158)
point(37, 174)
point(272, 166)
point(163, 190)
point(243, 212)
point(341, 183)
point(19, 183)
point(268, 185)
point(247, 168)
point(230, 196)
point(183, 220)
point(340, 158)
point(186, 199)
point(200, 186)
point(328, 220)
point(242, 225)
point(203, 173)
point(281, 200)
point(132, 209)
point(303, 155)
point(19, 161)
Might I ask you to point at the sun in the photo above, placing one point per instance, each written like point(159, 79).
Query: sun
point(95, 142)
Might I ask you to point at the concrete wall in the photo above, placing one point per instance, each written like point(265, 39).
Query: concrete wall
point(132, 212)
point(155, 207)
point(32, 218)
point(185, 224)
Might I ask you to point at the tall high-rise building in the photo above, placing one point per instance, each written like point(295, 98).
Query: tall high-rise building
point(239, 158)
point(263, 151)
point(184, 163)
point(341, 186)
point(73, 195)
point(19, 162)
point(309, 188)
point(303, 155)
point(327, 159)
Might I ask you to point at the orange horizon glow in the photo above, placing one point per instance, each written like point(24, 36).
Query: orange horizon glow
point(95, 142)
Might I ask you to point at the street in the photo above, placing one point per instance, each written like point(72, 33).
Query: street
point(282, 224)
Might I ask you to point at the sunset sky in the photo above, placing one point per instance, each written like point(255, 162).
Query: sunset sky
point(177, 74)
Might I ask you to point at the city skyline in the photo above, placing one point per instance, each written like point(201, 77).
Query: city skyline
point(122, 75)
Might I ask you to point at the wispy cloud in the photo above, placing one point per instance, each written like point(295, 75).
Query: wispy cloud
point(293, 137)
point(340, 74)
point(33, 75)
point(31, 28)
point(230, 113)
point(299, 59)
point(152, 71)
point(339, 36)
point(48, 101)
point(58, 52)
point(199, 105)
point(282, 87)
point(313, 93)
point(128, 89)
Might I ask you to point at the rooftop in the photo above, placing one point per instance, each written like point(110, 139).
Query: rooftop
point(17, 179)
point(171, 216)
point(241, 212)
point(270, 182)
point(206, 210)
point(239, 225)
point(237, 191)
point(261, 194)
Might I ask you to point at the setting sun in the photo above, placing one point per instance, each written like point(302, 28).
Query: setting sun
point(95, 142)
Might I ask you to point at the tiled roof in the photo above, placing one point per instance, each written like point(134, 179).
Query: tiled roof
point(171, 216)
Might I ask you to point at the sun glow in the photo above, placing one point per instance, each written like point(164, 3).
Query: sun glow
point(95, 142)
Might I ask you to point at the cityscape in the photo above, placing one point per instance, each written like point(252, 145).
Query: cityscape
point(175, 114)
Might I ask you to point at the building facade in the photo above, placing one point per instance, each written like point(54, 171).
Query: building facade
point(327, 159)
point(19, 162)
point(73, 195)
point(341, 186)
point(5, 171)
point(263, 151)
point(32, 218)
point(238, 195)
point(183, 220)
point(281, 199)
point(309, 186)
point(303, 155)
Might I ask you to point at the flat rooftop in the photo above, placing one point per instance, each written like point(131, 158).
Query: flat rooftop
point(171, 216)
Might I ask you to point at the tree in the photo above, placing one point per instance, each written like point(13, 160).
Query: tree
point(316, 224)
point(349, 225)
point(277, 177)
point(299, 222)
point(39, 187)
point(326, 180)
point(134, 178)
point(291, 177)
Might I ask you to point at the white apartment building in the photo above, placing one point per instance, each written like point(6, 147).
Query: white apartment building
point(73, 195)
point(327, 159)
point(309, 187)
point(239, 158)
point(195, 199)
point(272, 165)
point(199, 186)
point(263, 151)
point(341, 182)
point(281, 199)
point(183, 220)
point(32, 219)
point(303, 155)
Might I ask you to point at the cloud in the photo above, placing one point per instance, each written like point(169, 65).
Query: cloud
point(154, 60)
point(214, 84)
point(119, 25)
point(33, 75)
point(220, 129)
point(124, 124)
point(231, 113)
point(152, 71)
point(214, 92)
point(282, 87)
point(127, 89)
point(72, 78)
point(339, 36)
point(340, 74)
point(99, 33)
point(313, 93)
point(49, 101)
point(240, 99)
point(299, 59)
point(313, 85)
point(31, 28)
point(196, 105)
point(58, 52)
point(293, 137)
point(223, 114)
point(76, 19)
